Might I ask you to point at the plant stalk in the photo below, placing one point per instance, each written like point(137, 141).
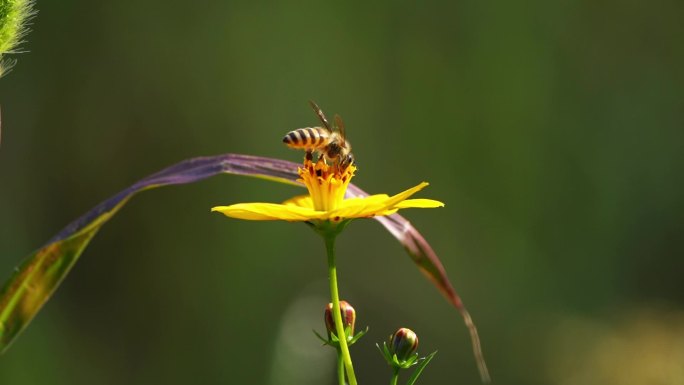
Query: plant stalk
point(395, 377)
point(340, 368)
point(332, 275)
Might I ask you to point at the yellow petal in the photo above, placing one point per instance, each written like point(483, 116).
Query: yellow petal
point(379, 204)
point(378, 199)
point(301, 201)
point(361, 207)
point(386, 212)
point(300, 208)
point(268, 212)
point(371, 198)
point(419, 203)
point(357, 208)
point(405, 194)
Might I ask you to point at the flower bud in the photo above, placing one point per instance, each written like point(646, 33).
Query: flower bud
point(403, 343)
point(348, 318)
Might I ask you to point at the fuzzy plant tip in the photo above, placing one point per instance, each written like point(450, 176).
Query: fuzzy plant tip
point(14, 17)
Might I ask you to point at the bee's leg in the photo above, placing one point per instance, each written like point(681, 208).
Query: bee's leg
point(346, 162)
point(321, 158)
point(308, 156)
point(326, 158)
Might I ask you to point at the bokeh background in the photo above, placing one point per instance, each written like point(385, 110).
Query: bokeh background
point(554, 132)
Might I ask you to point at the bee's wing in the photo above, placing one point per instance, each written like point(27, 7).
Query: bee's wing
point(320, 114)
point(339, 124)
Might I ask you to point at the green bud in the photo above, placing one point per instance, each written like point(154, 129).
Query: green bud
point(348, 318)
point(14, 15)
point(403, 344)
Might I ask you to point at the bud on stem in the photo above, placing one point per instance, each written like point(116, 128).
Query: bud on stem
point(403, 344)
point(348, 319)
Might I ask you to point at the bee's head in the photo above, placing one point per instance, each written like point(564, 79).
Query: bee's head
point(333, 150)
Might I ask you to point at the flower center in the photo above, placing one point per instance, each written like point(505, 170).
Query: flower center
point(327, 184)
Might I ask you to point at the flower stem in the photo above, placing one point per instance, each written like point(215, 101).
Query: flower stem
point(332, 275)
point(395, 376)
point(340, 368)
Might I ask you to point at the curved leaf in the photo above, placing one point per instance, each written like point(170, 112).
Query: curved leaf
point(34, 281)
point(429, 264)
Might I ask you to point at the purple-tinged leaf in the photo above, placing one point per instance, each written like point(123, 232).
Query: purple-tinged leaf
point(429, 264)
point(34, 281)
point(40, 274)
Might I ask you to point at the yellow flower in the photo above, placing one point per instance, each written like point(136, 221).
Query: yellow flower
point(327, 185)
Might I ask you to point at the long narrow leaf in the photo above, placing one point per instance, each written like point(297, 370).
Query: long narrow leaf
point(40, 274)
point(419, 369)
point(429, 264)
point(34, 281)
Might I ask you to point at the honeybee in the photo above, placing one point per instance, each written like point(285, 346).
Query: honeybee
point(329, 143)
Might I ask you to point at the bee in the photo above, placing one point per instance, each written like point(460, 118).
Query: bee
point(329, 143)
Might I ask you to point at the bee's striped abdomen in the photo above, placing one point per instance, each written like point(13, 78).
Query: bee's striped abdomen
point(306, 138)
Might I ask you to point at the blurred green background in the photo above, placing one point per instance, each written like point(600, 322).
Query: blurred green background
point(553, 132)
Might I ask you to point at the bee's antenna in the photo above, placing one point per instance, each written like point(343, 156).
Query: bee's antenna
point(320, 114)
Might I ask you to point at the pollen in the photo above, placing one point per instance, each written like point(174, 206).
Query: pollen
point(326, 183)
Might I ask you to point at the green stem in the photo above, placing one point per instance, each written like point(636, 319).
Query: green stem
point(332, 275)
point(395, 376)
point(340, 368)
